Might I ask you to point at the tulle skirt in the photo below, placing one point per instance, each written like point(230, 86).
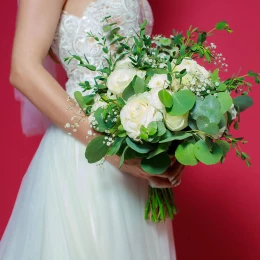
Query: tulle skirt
point(69, 209)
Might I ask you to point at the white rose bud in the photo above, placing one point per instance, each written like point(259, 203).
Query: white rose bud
point(176, 123)
point(119, 79)
point(158, 81)
point(138, 111)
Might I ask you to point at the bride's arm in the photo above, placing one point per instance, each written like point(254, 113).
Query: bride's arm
point(37, 22)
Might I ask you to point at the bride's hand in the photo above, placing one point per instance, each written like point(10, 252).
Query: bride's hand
point(169, 179)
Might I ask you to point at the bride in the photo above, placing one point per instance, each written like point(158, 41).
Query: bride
point(67, 208)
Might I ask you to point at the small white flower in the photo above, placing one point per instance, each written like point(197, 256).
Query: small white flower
point(67, 125)
point(90, 132)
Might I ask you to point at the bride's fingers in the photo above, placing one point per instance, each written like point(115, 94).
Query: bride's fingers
point(177, 174)
point(173, 170)
point(158, 182)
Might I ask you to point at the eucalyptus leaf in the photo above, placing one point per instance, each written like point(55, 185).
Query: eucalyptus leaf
point(159, 149)
point(183, 101)
point(128, 91)
point(205, 126)
point(176, 136)
point(152, 128)
point(138, 85)
point(115, 146)
point(209, 107)
point(139, 147)
point(243, 102)
point(96, 149)
point(161, 129)
point(79, 98)
point(225, 101)
point(206, 156)
point(185, 154)
point(157, 164)
point(166, 98)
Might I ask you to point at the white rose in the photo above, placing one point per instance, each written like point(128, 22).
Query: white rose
point(138, 111)
point(158, 81)
point(119, 79)
point(124, 64)
point(176, 123)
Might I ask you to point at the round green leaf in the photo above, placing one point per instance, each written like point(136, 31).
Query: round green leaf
point(157, 164)
point(96, 149)
point(185, 154)
point(139, 147)
point(165, 97)
point(152, 128)
point(159, 149)
point(205, 126)
point(209, 107)
point(225, 101)
point(243, 102)
point(206, 156)
point(183, 101)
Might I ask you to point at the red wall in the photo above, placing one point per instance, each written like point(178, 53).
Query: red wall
point(219, 206)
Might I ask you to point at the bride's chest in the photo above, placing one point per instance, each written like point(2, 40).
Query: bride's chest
point(71, 34)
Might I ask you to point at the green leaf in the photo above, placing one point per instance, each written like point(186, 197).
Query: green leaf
point(185, 154)
point(128, 91)
point(222, 87)
point(139, 85)
point(243, 102)
point(159, 149)
point(183, 101)
point(79, 98)
point(206, 156)
point(166, 98)
point(221, 25)
point(225, 101)
point(176, 136)
point(157, 164)
point(205, 126)
point(122, 158)
point(215, 76)
point(209, 107)
point(96, 149)
point(152, 128)
point(89, 98)
point(224, 145)
point(143, 25)
point(165, 41)
point(139, 147)
point(115, 146)
point(99, 118)
point(161, 129)
point(90, 67)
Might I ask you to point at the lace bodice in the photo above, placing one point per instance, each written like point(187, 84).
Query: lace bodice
point(71, 34)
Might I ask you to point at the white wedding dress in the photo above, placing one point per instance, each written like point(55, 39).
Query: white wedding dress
point(68, 209)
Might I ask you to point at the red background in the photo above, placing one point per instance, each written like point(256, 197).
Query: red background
point(219, 205)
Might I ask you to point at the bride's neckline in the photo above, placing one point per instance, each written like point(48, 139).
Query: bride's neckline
point(90, 5)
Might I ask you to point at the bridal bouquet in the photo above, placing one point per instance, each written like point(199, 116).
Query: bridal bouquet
point(153, 99)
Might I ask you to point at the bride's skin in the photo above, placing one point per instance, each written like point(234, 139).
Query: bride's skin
point(37, 22)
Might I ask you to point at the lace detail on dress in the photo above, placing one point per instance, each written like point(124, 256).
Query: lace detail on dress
point(70, 36)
